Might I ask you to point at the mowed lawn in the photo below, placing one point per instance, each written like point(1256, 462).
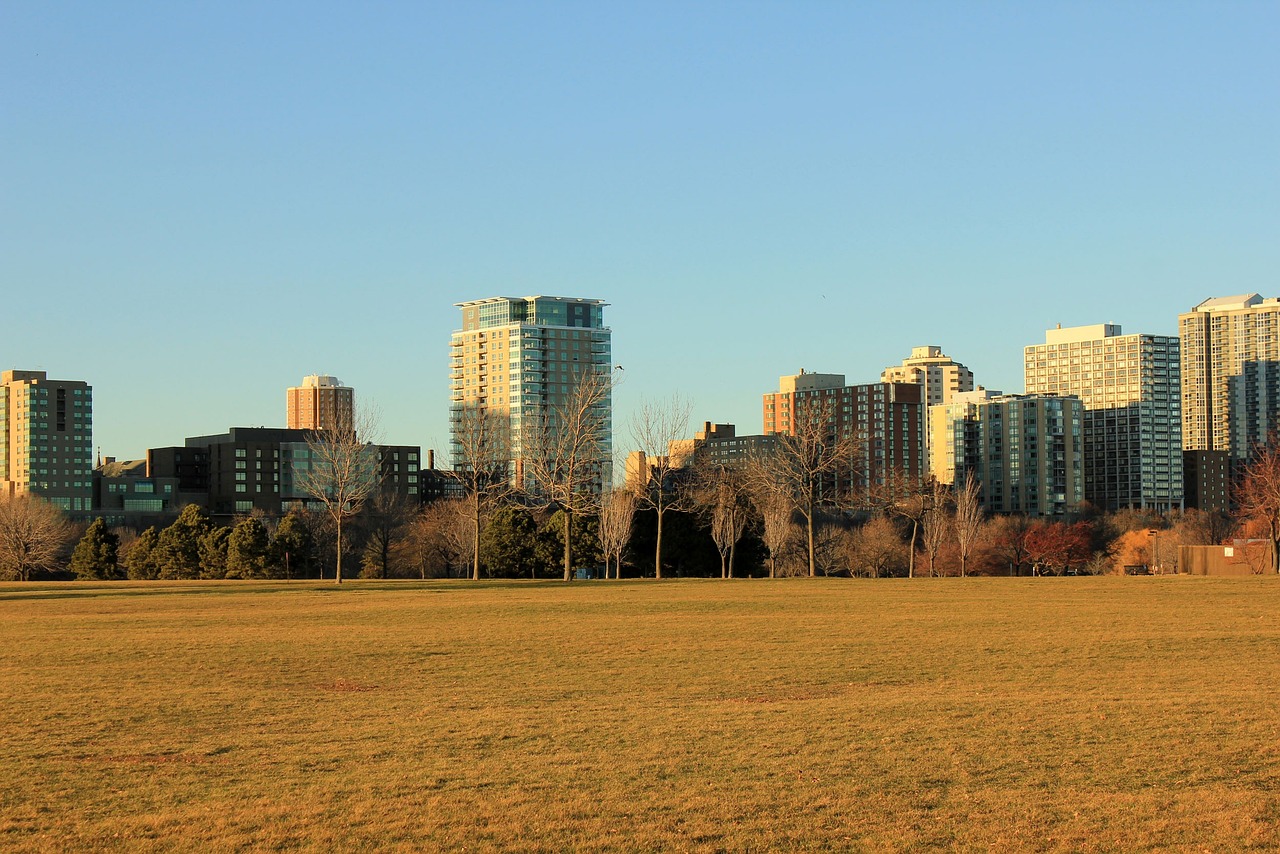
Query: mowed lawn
point(1003, 714)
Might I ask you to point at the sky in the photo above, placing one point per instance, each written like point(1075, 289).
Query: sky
point(201, 203)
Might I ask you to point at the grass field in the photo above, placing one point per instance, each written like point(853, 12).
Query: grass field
point(1003, 714)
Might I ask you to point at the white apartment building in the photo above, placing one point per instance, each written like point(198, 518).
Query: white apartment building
point(1130, 387)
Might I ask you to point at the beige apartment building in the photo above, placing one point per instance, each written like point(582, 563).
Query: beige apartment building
point(946, 433)
point(1129, 386)
point(942, 376)
point(1230, 374)
point(524, 356)
point(321, 403)
point(46, 439)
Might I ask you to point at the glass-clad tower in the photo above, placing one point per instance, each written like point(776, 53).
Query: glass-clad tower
point(524, 356)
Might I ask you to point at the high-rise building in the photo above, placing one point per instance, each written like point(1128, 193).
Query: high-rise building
point(1025, 451)
point(941, 375)
point(47, 444)
point(952, 445)
point(1129, 385)
point(887, 419)
point(321, 403)
point(1230, 374)
point(524, 357)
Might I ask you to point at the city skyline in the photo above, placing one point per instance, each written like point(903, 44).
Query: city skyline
point(230, 198)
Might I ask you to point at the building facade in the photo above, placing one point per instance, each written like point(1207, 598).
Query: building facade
point(1130, 388)
point(952, 443)
point(261, 468)
point(1230, 374)
point(1025, 451)
point(941, 376)
point(320, 403)
point(523, 358)
point(886, 418)
point(46, 443)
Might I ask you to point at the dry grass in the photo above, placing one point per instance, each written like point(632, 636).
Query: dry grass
point(1093, 714)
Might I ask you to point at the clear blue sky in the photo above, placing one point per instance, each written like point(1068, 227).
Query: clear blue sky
point(224, 197)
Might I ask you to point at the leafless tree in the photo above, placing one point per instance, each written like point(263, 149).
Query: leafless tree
point(388, 515)
point(1201, 528)
point(875, 549)
point(655, 428)
point(33, 534)
point(812, 466)
point(482, 462)
point(909, 499)
point(968, 519)
point(777, 527)
point(343, 471)
point(1008, 538)
point(935, 525)
point(1257, 496)
point(720, 493)
point(566, 452)
point(617, 513)
point(454, 528)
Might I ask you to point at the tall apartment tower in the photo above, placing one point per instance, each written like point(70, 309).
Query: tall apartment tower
point(888, 418)
point(524, 356)
point(1230, 374)
point(46, 439)
point(941, 375)
point(321, 403)
point(1025, 450)
point(1130, 387)
point(952, 450)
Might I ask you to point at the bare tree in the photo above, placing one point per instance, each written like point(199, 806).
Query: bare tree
point(1257, 496)
point(812, 467)
point(875, 549)
point(388, 516)
point(1008, 537)
point(720, 492)
point(909, 499)
point(454, 528)
point(617, 513)
point(655, 428)
point(33, 534)
point(343, 471)
point(935, 524)
point(566, 452)
point(482, 462)
point(777, 528)
point(968, 519)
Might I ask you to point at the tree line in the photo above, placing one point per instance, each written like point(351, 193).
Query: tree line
point(803, 506)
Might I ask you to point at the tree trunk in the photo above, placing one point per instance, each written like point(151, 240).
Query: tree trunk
point(911, 558)
point(475, 543)
point(657, 552)
point(337, 575)
point(724, 569)
point(731, 550)
point(809, 528)
point(568, 557)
